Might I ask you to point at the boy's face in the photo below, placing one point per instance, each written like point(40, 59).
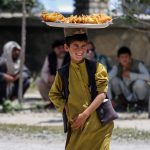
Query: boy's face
point(77, 50)
point(124, 59)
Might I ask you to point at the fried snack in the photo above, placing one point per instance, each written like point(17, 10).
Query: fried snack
point(85, 19)
point(71, 19)
point(101, 18)
point(52, 17)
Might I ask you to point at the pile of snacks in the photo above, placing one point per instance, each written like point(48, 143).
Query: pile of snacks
point(83, 19)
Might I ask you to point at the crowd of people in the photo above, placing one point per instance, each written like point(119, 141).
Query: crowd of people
point(128, 78)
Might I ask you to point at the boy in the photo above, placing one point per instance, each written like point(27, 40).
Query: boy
point(85, 129)
point(128, 81)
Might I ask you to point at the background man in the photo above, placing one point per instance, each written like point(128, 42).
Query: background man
point(53, 61)
point(128, 80)
point(9, 72)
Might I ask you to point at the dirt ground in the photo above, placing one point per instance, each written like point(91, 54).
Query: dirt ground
point(48, 118)
point(34, 116)
point(56, 142)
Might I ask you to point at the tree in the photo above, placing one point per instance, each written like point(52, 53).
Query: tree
point(16, 6)
point(134, 13)
point(135, 6)
point(23, 45)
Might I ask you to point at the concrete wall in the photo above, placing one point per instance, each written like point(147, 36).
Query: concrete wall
point(40, 37)
point(109, 40)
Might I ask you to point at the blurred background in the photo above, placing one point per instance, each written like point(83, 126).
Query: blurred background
point(130, 28)
point(34, 124)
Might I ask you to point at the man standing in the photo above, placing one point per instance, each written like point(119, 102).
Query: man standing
point(128, 80)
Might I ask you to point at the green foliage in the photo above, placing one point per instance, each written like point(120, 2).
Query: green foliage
point(132, 9)
point(145, 1)
point(10, 106)
point(130, 20)
point(7, 106)
point(16, 5)
point(139, 1)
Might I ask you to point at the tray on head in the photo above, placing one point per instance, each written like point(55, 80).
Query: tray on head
point(78, 25)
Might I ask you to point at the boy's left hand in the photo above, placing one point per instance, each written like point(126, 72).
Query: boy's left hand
point(79, 121)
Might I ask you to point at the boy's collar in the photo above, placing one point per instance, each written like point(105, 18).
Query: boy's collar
point(78, 64)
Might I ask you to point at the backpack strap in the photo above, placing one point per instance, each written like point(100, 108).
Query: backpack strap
point(64, 75)
point(91, 70)
point(52, 59)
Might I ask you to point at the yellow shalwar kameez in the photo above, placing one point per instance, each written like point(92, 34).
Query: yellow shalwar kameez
point(93, 136)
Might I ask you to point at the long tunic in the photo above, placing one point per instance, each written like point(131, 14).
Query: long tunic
point(93, 136)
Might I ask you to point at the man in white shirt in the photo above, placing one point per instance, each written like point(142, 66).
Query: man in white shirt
point(52, 62)
point(128, 80)
point(10, 67)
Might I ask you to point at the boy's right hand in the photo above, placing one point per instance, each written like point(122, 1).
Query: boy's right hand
point(79, 121)
point(9, 78)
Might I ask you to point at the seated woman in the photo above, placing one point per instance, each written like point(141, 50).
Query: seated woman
point(9, 72)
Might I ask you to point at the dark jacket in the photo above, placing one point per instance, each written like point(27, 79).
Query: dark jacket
point(52, 59)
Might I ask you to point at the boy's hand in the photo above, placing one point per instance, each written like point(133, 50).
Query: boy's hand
point(79, 121)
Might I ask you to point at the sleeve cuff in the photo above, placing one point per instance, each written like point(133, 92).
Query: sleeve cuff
point(60, 109)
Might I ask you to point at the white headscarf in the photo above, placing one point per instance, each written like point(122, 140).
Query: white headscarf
point(12, 67)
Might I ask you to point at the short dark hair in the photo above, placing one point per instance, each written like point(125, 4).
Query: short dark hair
point(57, 43)
point(124, 50)
point(76, 37)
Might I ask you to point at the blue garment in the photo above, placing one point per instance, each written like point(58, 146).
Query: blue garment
point(103, 60)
